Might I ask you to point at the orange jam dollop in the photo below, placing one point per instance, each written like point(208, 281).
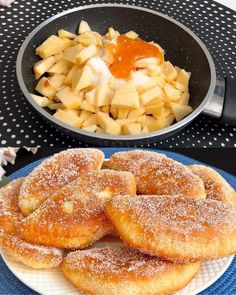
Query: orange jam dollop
point(127, 51)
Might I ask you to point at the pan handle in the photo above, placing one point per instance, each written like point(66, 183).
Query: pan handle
point(229, 108)
point(223, 103)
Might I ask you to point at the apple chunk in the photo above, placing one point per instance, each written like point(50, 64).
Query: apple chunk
point(69, 117)
point(43, 65)
point(109, 125)
point(53, 45)
point(69, 100)
point(82, 79)
point(45, 88)
point(41, 100)
point(126, 97)
point(180, 111)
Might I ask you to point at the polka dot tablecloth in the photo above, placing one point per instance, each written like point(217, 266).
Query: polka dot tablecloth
point(21, 125)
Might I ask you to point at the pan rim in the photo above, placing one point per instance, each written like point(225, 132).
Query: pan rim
point(78, 131)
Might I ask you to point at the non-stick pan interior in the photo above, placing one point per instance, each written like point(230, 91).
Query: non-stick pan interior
point(180, 47)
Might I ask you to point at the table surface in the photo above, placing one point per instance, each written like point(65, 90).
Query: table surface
point(21, 125)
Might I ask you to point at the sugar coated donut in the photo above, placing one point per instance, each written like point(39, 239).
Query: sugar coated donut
point(55, 172)
point(216, 186)
point(31, 255)
point(74, 217)
point(177, 228)
point(123, 271)
point(10, 214)
point(157, 174)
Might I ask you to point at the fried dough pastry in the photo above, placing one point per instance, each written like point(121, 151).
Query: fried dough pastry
point(158, 175)
point(10, 214)
point(54, 173)
point(124, 271)
point(74, 216)
point(217, 188)
point(177, 228)
point(31, 255)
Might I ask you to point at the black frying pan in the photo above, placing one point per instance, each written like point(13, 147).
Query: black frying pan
point(182, 47)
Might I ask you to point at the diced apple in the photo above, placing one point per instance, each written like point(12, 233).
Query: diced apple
point(154, 70)
point(154, 109)
point(92, 120)
point(55, 106)
point(51, 46)
point(152, 96)
point(109, 125)
point(84, 115)
point(112, 34)
point(184, 100)
point(147, 61)
point(58, 56)
point(154, 124)
point(169, 71)
point(178, 86)
point(71, 74)
point(91, 128)
point(87, 107)
point(145, 130)
point(131, 129)
point(160, 81)
point(82, 79)
point(90, 96)
point(88, 38)
point(107, 56)
point(86, 53)
point(140, 119)
point(71, 53)
point(105, 109)
point(126, 97)
point(61, 67)
point(136, 113)
point(41, 100)
point(43, 65)
point(69, 100)
point(142, 82)
point(172, 93)
point(183, 78)
point(131, 35)
point(65, 34)
point(67, 43)
point(123, 113)
point(45, 88)
point(83, 27)
point(104, 95)
point(69, 117)
point(57, 80)
point(114, 111)
point(180, 111)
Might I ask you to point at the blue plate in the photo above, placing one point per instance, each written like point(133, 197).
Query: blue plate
point(226, 285)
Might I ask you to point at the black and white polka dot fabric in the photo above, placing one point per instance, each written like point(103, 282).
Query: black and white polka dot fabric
point(21, 125)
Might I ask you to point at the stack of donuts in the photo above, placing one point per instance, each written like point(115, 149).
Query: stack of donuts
point(170, 217)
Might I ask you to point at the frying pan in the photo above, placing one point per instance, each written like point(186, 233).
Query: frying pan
point(213, 96)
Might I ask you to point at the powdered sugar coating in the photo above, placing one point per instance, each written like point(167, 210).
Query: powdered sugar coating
point(157, 174)
point(216, 186)
point(30, 254)
point(183, 216)
point(118, 262)
point(56, 172)
point(74, 215)
point(10, 213)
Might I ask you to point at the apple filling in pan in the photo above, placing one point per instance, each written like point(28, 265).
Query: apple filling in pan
point(116, 84)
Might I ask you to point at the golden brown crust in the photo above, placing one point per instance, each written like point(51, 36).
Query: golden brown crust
point(157, 174)
point(54, 173)
point(177, 228)
point(74, 217)
point(31, 255)
point(217, 188)
point(10, 214)
point(125, 271)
